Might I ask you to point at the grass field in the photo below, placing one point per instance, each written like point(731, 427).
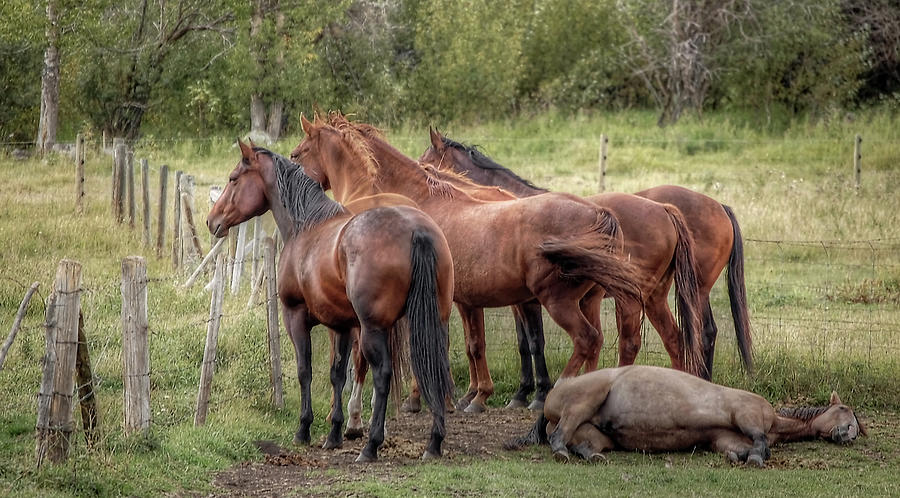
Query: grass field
point(823, 277)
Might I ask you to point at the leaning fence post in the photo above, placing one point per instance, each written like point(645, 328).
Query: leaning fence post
point(135, 351)
point(17, 322)
point(79, 174)
point(161, 226)
point(857, 158)
point(212, 339)
point(54, 421)
point(604, 142)
point(272, 324)
point(187, 208)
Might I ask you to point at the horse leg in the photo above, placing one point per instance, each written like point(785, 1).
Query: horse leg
point(354, 405)
point(297, 322)
point(710, 331)
point(341, 346)
point(473, 324)
point(376, 349)
point(660, 316)
point(628, 322)
point(590, 308)
point(735, 446)
point(563, 308)
point(535, 321)
point(588, 443)
point(526, 374)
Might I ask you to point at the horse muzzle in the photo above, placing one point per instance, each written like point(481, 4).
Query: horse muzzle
point(844, 434)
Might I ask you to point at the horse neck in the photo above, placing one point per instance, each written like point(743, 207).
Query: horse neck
point(316, 205)
point(786, 429)
point(504, 179)
point(398, 173)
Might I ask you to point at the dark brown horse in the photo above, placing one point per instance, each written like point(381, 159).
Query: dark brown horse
point(648, 408)
point(555, 247)
point(365, 271)
point(713, 228)
point(656, 241)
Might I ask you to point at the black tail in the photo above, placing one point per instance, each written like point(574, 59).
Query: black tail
point(596, 256)
point(687, 295)
point(737, 294)
point(428, 335)
point(537, 435)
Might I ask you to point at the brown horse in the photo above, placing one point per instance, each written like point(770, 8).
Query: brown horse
point(365, 271)
point(713, 227)
point(554, 247)
point(648, 408)
point(656, 240)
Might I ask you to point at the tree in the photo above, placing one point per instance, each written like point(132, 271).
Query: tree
point(49, 117)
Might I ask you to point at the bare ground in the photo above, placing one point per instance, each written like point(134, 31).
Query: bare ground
point(290, 470)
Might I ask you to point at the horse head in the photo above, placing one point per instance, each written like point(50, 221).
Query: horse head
point(838, 423)
point(245, 195)
point(437, 153)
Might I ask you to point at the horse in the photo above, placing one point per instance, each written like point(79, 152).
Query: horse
point(717, 239)
point(375, 271)
point(646, 408)
point(555, 247)
point(656, 239)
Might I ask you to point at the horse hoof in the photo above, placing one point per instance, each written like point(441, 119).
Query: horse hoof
point(536, 406)
point(330, 445)
point(561, 456)
point(462, 404)
point(363, 458)
point(756, 461)
point(597, 458)
point(516, 403)
point(355, 433)
point(300, 441)
point(732, 457)
point(430, 456)
point(474, 408)
point(409, 406)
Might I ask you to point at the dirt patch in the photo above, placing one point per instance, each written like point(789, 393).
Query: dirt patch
point(283, 470)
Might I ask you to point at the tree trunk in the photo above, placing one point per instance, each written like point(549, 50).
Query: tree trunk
point(276, 110)
point(49, 119)
point(257, 113)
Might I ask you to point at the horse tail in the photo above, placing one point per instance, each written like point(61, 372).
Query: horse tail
point(595, 256)
point(427, 333)
point(687, 294)
point(737, 293)
point(537, 435)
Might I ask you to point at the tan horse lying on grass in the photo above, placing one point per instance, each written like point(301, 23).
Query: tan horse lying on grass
point(660, 409)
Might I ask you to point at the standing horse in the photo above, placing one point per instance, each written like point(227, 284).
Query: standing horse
point(365, 271)
point(554, 247)
point(717, 239)
point(656, 240)
point(648, 408)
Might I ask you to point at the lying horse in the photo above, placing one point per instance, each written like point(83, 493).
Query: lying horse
point(660, 409)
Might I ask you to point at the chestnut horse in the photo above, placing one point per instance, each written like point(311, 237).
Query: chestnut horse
point(648, 408)
point(656, 241)
point(347, 272)
point(717, 240)
point(554, 247)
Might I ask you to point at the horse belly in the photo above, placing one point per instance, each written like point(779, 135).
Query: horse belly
point(655, 439)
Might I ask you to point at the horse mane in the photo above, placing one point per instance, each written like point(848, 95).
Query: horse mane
point(302, 196)
point(804, 413)
point(359, 135)
point(484, 162)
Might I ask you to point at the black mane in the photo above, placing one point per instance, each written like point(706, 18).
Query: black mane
point(804, 413)
point(302, 196)
point(484, 162)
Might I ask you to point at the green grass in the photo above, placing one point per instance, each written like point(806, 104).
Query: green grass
point(823, 268)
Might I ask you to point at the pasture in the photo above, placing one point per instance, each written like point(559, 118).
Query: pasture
point(823, 279)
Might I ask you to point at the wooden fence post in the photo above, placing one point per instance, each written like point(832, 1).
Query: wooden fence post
point(215, 192)
point(210, 255)
point(145, 197)
point(176, 223)
point(17, 322)
point(161, 226)
point(79, 174)
point(118, 185)
point(135, 351)
point(189, 231)
point(857, 159)
point(212, 339)
point(85, 379)
point(604, 142)
point(272, 324)
point(256, 267)
point(54, 421)
point(129, 178)
point(238, 259)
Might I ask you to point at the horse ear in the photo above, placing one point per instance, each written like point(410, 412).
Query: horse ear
point(307, 127)
point(437, 141)
point(246, 150)
point(835, 400)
